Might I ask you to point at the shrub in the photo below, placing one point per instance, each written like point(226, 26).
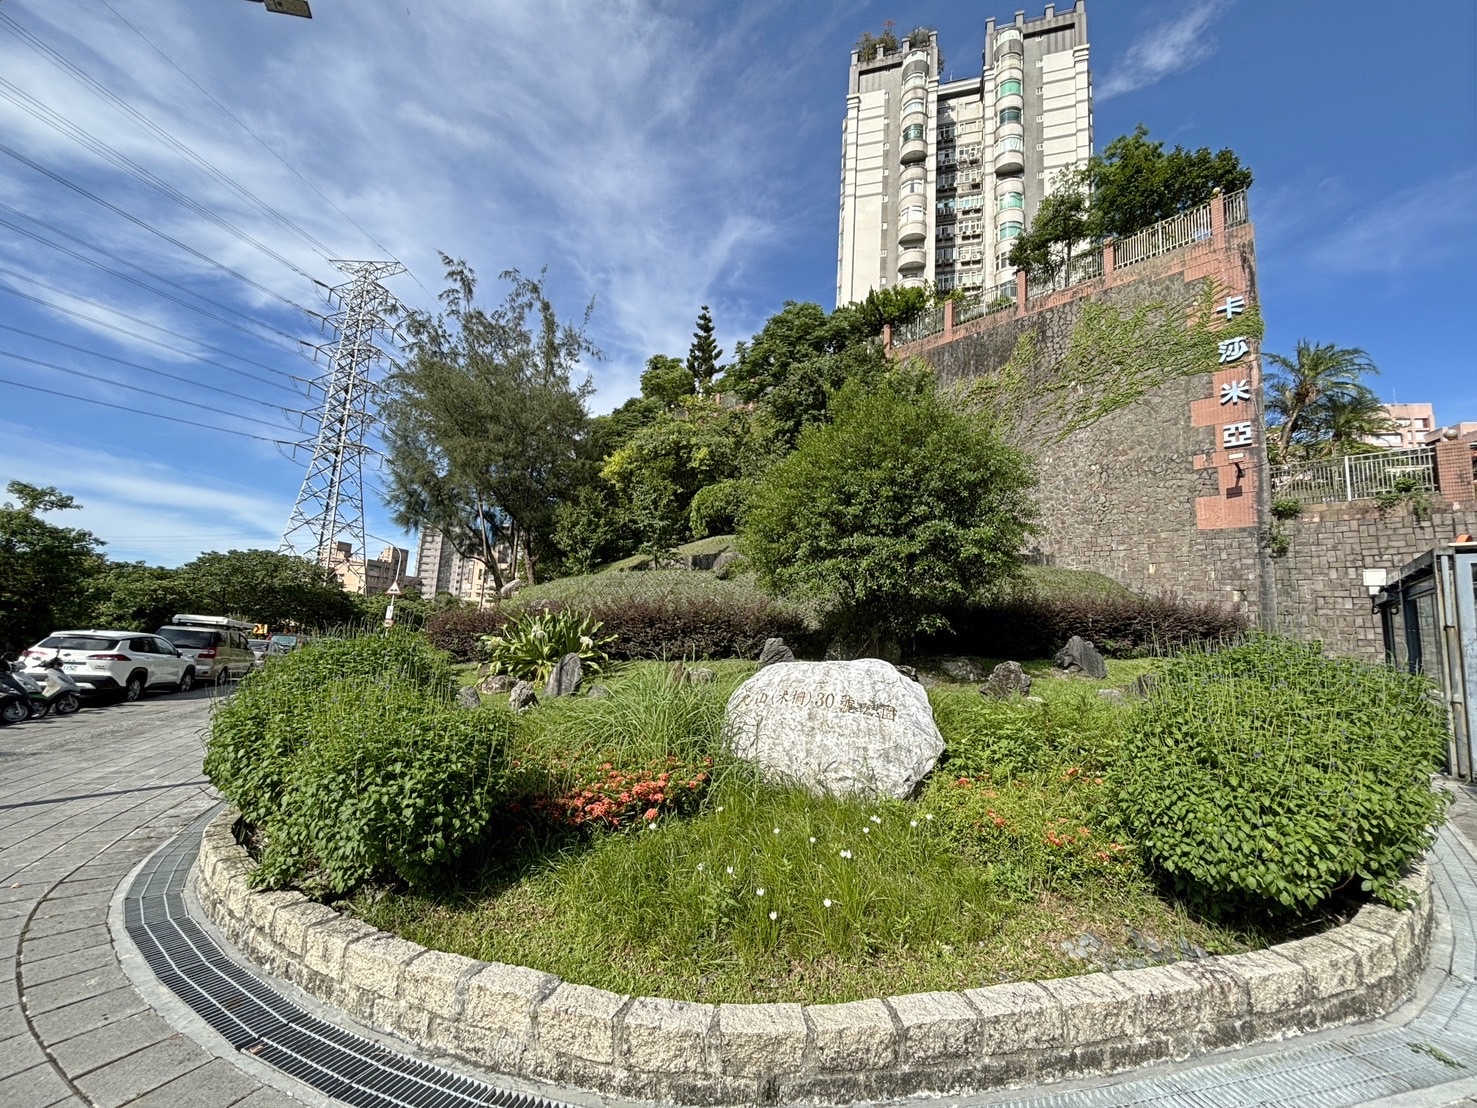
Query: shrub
point(1287, 507)
point(1266, 776)
point(529, 645)
point(458, 631)
point(350, 763)
point(1122, 626)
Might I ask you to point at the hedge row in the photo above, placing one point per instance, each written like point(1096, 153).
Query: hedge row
point(1119, 626)
point(647, 627)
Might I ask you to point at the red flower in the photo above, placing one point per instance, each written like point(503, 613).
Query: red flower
point(651, 814)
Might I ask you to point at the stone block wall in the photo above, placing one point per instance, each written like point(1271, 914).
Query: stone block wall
point(521, 1021)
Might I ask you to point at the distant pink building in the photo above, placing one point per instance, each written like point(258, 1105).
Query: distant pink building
point(1415, 425)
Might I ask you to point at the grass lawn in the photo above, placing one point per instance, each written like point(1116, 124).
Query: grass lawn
point(636, 856)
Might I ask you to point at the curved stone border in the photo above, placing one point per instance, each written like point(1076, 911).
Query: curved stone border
point(521, 1021)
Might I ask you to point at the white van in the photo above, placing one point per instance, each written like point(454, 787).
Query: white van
point(216, 644)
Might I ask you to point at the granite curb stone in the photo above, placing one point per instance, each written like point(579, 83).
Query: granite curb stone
point(522, 1021)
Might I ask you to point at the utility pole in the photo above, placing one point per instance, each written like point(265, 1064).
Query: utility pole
point(331, 500)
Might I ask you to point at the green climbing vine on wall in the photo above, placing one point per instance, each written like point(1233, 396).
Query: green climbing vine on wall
point(1113, 359)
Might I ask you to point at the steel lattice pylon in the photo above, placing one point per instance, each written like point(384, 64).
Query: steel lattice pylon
point(331, 501)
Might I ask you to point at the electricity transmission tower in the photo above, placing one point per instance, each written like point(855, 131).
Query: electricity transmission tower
point(331, 501)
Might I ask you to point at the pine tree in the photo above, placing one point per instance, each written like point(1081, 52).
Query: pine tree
point(703, 354)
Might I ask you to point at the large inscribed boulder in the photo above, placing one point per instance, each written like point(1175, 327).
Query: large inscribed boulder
point(836, 727)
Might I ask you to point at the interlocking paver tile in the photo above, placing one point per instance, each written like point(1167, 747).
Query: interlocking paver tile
point(93, 1049)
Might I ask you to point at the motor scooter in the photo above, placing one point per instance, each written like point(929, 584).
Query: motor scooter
point(55, 691)
point(15, 698)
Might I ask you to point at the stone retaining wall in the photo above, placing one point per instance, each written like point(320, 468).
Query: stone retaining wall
point(520, 1021)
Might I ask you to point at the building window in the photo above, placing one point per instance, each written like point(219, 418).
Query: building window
point(1012, 200)
point(913, 132)
point(911, 215)
point(919, 105)
point(1010, 142)
point(1010, 115)
point(915, 185)
point(1011, 87)
point(1011, 230)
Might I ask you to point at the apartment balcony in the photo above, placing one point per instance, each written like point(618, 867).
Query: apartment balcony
point(1010, 100)
point(914, 150)
point(914, 230)
point(1010, 163)
point(912, 260)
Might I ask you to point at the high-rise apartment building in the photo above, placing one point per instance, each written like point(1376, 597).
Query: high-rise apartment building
point(441, 569)
point(937, 177)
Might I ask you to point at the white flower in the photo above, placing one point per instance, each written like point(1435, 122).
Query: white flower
point(913, 823)
point(774, 915)
point(730, 870)
point(866, 830)
point(846, 854)
point(586, 642)
point(826, 902)
point(776, 830)
point(759, 891)
point(720, 808)
point(700, 865)
point(875, 819)
point(651, 827)
point(928, 815)
point(812, 840)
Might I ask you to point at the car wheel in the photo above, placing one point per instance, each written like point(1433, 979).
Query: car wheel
point(134, 688)
point(223, 677)
point(15, 711)
point(186, 681)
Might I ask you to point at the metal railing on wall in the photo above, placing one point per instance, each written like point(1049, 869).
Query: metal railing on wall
point(1357, 476)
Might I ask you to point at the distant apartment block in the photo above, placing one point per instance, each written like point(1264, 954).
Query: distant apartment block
point(1415, 425)
point(441, 569)
point(938, 177)
point(372, 576)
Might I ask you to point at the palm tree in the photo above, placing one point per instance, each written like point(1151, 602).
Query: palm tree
point(1314, 373)
point(1342, 423)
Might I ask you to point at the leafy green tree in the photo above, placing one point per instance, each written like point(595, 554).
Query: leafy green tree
point(1342, 423)
point(486, 432)
point(585, 526)
point(46, 567)
point(891, 307)
point(1134, 183)
point(667, 381)
point(899, 510)
point(265, 586)
point(1312, 379)
point(132, 595)
point(703, 354)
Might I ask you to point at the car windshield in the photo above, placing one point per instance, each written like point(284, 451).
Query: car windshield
point(78, 642)
point(188, 640)
point(285, 640)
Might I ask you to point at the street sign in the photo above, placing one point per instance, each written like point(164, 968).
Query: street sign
point(394, 589)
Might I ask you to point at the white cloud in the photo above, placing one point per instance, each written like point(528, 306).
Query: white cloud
point(1174, 45)
point(1394, 233)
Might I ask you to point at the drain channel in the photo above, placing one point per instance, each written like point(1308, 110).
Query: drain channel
point(257, 1020)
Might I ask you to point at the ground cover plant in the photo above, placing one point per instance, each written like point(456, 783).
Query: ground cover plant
point(638, 857)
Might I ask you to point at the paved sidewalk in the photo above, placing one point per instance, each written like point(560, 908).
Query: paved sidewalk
point(82, 801)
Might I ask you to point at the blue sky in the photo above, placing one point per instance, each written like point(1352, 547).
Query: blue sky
point(656, 156)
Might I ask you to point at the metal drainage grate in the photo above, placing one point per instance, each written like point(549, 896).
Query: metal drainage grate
point(256, 1019)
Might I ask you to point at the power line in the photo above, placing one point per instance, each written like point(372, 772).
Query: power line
point(160, 132)
point(133, 388)
point(141, 284)
point(259, 140)
point(140, 411)
point(207, 259)
point(136, 365)
point(136, 335)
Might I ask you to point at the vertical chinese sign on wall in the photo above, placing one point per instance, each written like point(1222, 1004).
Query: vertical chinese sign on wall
point(1231, 412)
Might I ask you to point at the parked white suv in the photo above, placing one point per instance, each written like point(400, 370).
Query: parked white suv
point(115, 661)
point(217, 646)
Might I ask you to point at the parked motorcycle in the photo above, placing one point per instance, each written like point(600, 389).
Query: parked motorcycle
point(15, 698)
point(55, 691)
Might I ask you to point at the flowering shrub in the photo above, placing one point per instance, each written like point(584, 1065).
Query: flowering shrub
point(530, 644)
point(622, 799)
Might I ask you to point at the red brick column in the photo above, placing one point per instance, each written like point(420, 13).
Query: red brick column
point(948, 319)
point(1218, 219)
point(1020, 292)
point(1110, 260)
point(887, 336)
point(1454, 472)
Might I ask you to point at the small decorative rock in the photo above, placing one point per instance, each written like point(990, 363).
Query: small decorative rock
point(498, 683)
point(468, 697)
point(598, 692)
point(1115, 695)
point(907, 671)
point(510, 588)
point(522, 697)
point(565, 677)
point(724, 562)
point(965, 670)
point(836, 727)
point(775, 650)
point(699, 676)
point(1006, 680)
point(1144, 684)
point(1080, 656)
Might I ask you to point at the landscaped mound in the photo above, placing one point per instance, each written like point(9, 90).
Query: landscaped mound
point(613, 841)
